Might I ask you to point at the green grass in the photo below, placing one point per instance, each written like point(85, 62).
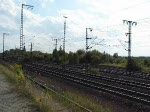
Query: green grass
point(11, 76)
point(81, 100)
point(16, 77)
point(93, 71)
point(95, 107)
point(42, 98)
point(122, 65)
point(146, 69)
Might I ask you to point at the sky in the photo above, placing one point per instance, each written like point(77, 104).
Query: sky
point(45, 22)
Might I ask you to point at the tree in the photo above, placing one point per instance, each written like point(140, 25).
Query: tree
point(55, 56)
point(81, 55)
point(73, 58)
point(134, 65)
point(80, 52)
point(115, 55)
point(70, 57)
point(147, 62)
point(76, 58)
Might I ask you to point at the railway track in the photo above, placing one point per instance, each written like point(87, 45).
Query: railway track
point(58, 94)
point(106, 78)
point(99, 83)
point(124, 72)
point(117, 71)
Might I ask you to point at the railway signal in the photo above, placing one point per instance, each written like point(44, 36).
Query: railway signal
point(87, 38)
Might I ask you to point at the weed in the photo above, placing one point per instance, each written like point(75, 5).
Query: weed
point(16, 77)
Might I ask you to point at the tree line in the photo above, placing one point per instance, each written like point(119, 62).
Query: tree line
point(93, 57)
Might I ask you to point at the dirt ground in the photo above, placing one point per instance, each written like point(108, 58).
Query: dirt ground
point(10, 100)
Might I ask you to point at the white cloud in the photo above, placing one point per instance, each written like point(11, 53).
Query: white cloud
point(104, 16)
point(45, 2)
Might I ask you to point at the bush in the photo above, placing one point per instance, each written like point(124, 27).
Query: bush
point(135, 66)
point(93, 70)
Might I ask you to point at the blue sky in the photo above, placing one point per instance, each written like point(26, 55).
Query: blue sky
point(45, 22)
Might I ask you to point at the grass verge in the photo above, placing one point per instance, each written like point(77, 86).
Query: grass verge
point(122, 65)
point(16, 77)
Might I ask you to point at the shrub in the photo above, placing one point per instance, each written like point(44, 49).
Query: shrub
point(93, 70)
point(135, 66)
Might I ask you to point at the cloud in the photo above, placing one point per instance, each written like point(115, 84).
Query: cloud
point(35, 24)
point(105, 17)
point(44, 3)
point(47, 0)
point(10, 22)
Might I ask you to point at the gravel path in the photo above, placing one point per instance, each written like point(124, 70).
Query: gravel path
point(10, 100)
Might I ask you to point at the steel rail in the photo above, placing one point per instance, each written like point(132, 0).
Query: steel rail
point(107, 88)
point(49, 89)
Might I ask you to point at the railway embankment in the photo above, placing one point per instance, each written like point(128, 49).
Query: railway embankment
point(17, 94)
point(13, 101)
